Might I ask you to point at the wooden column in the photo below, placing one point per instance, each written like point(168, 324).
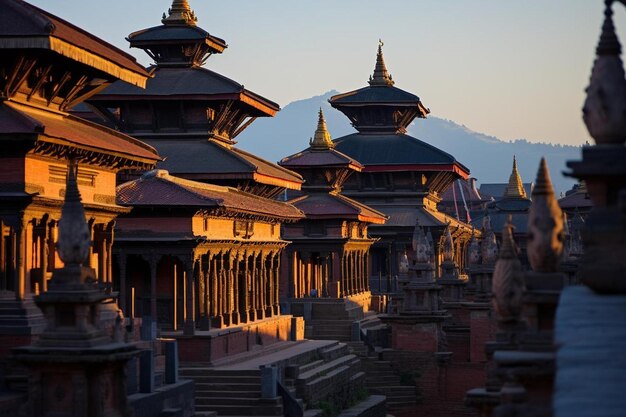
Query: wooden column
point(3, 261)
point(43, 256)
point(20, 247)
point(122, 298)
point(153, 284)
point(191, 266)
point(236, 290)
point(200, 288)
point(275, 271)
point(367, 270)
point(110, 238)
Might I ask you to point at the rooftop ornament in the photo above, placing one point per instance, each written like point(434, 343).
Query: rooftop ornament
point(448, 246)
point(180, 14)
point(515, 187)
point(420, 245)
point(474, 250)
point(489, 244)
point(321, 140)
point(381, 76)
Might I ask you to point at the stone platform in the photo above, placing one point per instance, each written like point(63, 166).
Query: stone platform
point(206, 347)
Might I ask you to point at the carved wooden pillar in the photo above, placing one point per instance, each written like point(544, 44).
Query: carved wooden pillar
point(200, 302)
point(43, 252)
point(228, 286)
point(275, 271)
point(3, 262)
point(216, 289)
point(153, 287)
point(236, 290)
point(122, 298)
point(261, 284)
point(20, 246)
point(92, 235)
point(268, 283)
point(191, 268)
point(367, 270)
point(102, 257)
point(110, 236)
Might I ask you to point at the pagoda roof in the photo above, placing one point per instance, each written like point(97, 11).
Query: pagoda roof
point(211, 159)
point(500, 218)
point(159, 188)
point(378, 95)
point(189, 83)
point(175, 34)
point(496, 190)
point(334, 205)
point(410, 216)
point(65, 129)
point(577, 199)
point(397, 150)
point(24, 26)
point(320, 158)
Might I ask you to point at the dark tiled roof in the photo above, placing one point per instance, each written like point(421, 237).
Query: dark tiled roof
point(18, 118)
point(496, 190)
point(410, 216)
point(20, 19)
point(194, 82)
point(469, 192)
point(319, 158)
point(158, 188)
point(173, 33)
point(500, 218)
point(392, 149)
point(324, 205)
point(382, 94)
point(212, 158)
point(575, 199)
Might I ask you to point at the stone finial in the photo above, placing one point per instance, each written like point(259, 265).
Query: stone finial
point(381, 75)
point(489, 245)
point(515, 187)
point(604, 111)
point(473, 250)
point(420, 245)
point(545, 225)
point(448, 245)
point(321, 139)
point(508, 279)
point(180, 14)
point(74, 236)
point(431, 246)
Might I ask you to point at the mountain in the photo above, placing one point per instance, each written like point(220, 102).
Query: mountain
point(488, 158)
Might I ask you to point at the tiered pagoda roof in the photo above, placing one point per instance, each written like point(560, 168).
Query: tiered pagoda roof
point(50, 65)
point(325, 169)
point(381, 114)
point(191, 114)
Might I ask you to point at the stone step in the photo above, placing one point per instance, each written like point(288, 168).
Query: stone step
point(226, 379)
point(200, 399)
point(238, 410)
point(327, 367)
point(314, 412)
point(205, 393)
point(307, 367)
point(334, 351)
point(191, 372)
point(206, 386)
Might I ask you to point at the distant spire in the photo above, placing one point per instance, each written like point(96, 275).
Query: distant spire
point(515, 188)
point(321, 139)
point(180, 14)
point(381, 75)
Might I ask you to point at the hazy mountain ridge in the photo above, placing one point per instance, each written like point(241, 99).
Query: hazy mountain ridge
point(488, 158)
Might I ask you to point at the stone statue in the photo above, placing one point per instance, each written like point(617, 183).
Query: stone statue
point(74, 237)
point(420, 245)
point(448, 245)
point(546, 233)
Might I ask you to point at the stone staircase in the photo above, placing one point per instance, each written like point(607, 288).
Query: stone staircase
point(332, 320)
point(382, 379)
point(231, 392)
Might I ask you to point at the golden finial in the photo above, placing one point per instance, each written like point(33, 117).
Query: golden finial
point(515, 188)
point(321, 139)
point(180, 14)
point(381, 75)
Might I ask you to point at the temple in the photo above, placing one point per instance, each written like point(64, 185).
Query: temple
point(402, 176)
point(328, 258)
point(49, 65)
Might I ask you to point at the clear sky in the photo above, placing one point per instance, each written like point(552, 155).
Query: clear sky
point(512, 69)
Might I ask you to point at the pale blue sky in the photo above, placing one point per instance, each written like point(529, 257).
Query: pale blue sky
point(512, 69)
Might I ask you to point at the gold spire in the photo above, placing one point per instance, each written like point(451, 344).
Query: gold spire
point(180, 14)
point(321, 139)
point(515, 188)
point(381, 75)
